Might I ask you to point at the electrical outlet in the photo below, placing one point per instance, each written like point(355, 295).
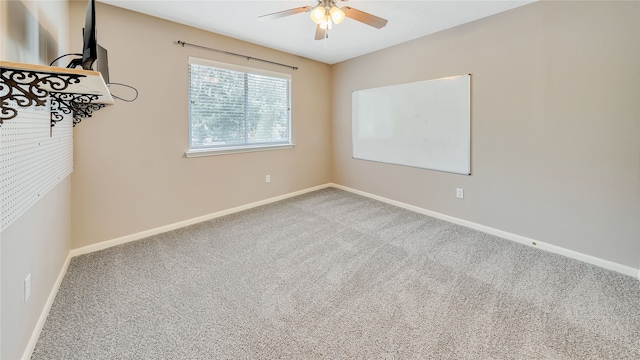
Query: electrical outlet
point(268, 179)
point(459, 193)
point(27, 288)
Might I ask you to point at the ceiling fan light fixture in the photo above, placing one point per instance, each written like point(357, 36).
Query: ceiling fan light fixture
point(318, 14)
point(337, 15)
point(326, 23)
point(326, 13)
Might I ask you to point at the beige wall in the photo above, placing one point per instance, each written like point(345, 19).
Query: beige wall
point(33, 32)
point(39, 241)
point(555, 124)
point(130, 172)
point(555, 135)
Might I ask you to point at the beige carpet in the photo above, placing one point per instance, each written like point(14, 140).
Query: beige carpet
point(334, 275)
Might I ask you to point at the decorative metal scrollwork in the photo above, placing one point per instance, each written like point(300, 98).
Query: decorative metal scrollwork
point(25, 88)
point(59, 108)
point(84, 110)
point(81, 105)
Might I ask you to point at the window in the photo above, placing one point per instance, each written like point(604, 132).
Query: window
point(234, 108)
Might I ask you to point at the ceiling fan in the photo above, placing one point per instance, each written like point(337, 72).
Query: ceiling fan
point(326, 13)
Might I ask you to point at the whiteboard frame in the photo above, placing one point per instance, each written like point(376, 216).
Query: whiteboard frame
point(446, 102)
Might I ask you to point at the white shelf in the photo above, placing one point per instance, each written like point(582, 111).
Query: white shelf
point(91, 82)
point(68, 91)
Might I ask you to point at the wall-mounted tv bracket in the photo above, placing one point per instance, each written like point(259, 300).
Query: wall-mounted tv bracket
point(26, 88)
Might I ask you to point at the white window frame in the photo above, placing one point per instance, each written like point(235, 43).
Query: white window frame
point(212, 151)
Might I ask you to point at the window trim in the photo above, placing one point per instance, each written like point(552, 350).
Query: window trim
point(235, 150)
point(225, 150)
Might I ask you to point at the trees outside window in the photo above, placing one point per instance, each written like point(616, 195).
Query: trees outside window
point(231, 106)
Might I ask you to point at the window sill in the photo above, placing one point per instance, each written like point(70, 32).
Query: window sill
point(235, 150)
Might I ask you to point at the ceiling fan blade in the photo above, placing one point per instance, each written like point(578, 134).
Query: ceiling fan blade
point(281, 14)
point(321, 33)
point(363, 17)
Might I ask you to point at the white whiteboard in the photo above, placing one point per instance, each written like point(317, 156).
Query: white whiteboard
point(425, 124)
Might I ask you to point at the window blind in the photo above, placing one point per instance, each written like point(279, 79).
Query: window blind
point(233, 106)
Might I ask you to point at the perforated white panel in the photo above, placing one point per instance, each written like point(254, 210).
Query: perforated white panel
point(33, 159)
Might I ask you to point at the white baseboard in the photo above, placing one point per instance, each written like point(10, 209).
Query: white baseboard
point(31, 345)
point(133, 237)
point(623, 269)
point(143, 234)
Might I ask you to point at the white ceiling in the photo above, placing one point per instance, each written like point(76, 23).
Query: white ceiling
point(295, 34)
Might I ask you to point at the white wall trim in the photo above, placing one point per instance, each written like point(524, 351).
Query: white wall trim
point(235, 150)
point(623, 269)
point(610, 265)
point(143, 234)
point(31, 345)
point(133, 237)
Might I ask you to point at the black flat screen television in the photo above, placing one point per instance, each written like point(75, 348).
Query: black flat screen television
point(94, 56)
point(90, 47)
